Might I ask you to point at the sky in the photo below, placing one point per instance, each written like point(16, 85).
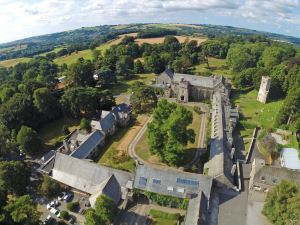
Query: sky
point(26, 18)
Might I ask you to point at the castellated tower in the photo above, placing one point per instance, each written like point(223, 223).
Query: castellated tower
point(264, 89)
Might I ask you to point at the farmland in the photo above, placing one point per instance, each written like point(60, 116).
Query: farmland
point(13, 62)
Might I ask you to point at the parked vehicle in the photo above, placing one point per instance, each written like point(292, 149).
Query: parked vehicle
point(48, 220)
point(55, 211)
point(52, 204)
point(68, 196)
point(61, 196)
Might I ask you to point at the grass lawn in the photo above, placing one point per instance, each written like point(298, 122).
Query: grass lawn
point(142, 147)
point(112, 157)
point(163, 218)
point(13, 62)
point(124, 85)
point(217, 66)
point(254, 113)
point(52, 133)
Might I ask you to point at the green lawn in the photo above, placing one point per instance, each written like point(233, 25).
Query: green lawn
point(54, 50)
point(124, 85)
point(13, 62)
point(111, 156)
point(254, 113)
point(52, 133)
point(163, 218)
point(142, 147)
point(216, 66)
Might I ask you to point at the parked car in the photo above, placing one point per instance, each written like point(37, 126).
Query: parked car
point(52, 204)
point(55, 211)
point(61, 196)
point(48, 220)
point(71, 220)
point(68, 196)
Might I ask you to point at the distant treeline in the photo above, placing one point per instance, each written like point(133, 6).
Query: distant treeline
point(155, 33)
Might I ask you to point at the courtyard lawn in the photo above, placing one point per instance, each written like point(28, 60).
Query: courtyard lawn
point(13, 62)
point(217, 66)
point(142, 148)
point(253, 113)
point(52, 133)
point(115, 153)
point(163, 218)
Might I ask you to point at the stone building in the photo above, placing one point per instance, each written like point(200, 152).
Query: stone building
point(264, 89)
point(189, 88)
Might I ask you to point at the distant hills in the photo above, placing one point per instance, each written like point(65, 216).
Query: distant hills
point(85, 36)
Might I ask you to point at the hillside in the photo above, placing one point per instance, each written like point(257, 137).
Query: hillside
point(86, 36)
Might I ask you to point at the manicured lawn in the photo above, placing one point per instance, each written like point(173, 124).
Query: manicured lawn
point(142, 147)
point(13, 62)
point(163, 218)
point(217, 66)
point(114, 158)
point(52, 133)
point(254, 113)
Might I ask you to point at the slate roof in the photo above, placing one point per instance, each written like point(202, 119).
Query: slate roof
point(169, 73)
point(184, 184)
point(207, 82)
point(110, 187)
point(271, 175)
point(83, 175)
point(108, 120)
point(90, 143)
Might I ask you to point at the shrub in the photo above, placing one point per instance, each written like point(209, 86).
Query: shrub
point(164, 200)
point(73, 206)
point(64, 215)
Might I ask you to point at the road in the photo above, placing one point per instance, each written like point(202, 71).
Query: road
point(201, 140)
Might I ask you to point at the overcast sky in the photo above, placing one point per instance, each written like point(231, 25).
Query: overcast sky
point(25, 18)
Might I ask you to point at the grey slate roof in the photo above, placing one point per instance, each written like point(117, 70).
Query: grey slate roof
point(89, 144)
point(110, 187)
point(83, 175)
point(184, 184)
point(108, 120)
point(207, 82)
point(169, 73)
point(270, 175)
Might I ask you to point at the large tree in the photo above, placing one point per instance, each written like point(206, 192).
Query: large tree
point(21, 211)
point(46, 103)
point(49, 187)
point(29, 140)
point(282, 204)
point(143, 98)
point(81, 73)
point(168, 133)
point(106, 76)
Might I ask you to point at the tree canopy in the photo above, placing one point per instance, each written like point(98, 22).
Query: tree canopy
point(29, 140)
point(168, 134)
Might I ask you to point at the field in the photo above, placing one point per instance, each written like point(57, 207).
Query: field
point(87, 54)
point(142, 147)
point(254, 113)
point(216, 66)
point(13, 62)
point(52, 133)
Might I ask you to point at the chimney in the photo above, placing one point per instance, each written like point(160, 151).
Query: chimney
point(66, 145)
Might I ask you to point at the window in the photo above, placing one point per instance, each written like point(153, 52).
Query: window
point(180, 190)
point(188, 182)
point(170, 188)
point(143, 181)
point(156, 181)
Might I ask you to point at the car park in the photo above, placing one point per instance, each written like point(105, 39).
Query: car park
point(55, 211)
point(61, 196)
point(52, 204)
point(48, 220)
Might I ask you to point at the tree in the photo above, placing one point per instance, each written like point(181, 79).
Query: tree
point(28, 140)
point(7, 145)
point(168, 134)
point(154, 63)
point(14, 177)
point(81, 73)
point(105, 208)
point(282, 204)
point(106, 76)
point(49, 187)
point(85, 124)
point(124, 66)
point(46, 103)
point(143, 98)
point(91, 218)
point(275, 55)
point(127, 40)
point(138, 66)
point(21, 211)
point(64, 215)
point(73, 206)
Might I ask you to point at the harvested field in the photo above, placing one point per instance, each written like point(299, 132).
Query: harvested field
point(13, 62)
point(158, 40)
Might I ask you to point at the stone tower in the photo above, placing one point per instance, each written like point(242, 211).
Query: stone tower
point(183, 91)
point(264, 89)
